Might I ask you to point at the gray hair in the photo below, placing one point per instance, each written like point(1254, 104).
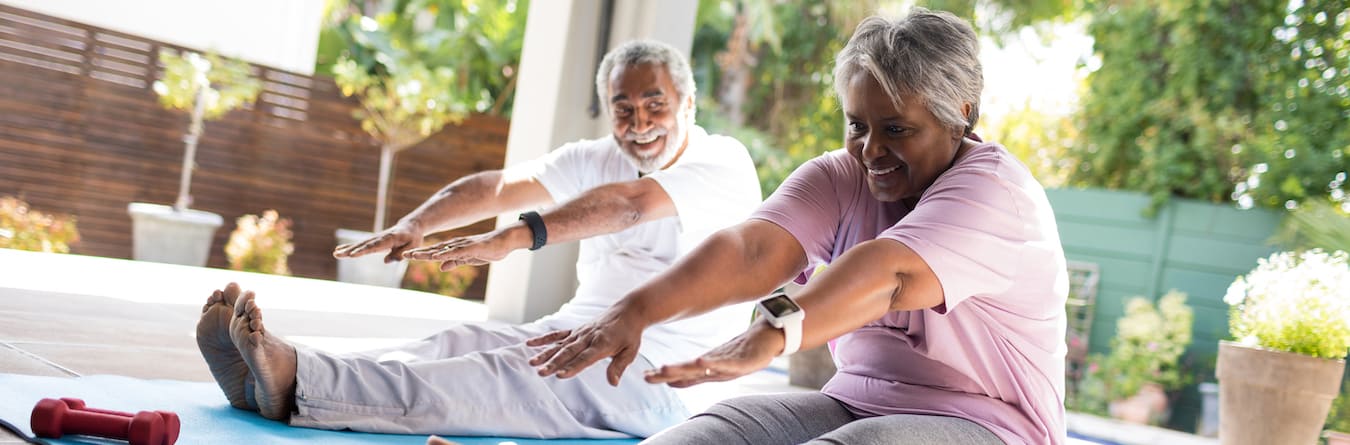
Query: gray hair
point(640, 52)
point(930, 54)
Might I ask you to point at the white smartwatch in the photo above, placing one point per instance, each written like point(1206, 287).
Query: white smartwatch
point(785, 314)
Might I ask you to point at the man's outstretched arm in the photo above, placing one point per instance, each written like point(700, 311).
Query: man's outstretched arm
point(606, 209)
point(467, 200)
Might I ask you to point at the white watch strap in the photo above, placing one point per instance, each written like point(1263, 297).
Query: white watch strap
point(792, 335)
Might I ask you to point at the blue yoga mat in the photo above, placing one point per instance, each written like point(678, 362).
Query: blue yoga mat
point(206, 416)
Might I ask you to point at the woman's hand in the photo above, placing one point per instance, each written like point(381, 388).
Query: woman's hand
point(614, 334)
point(749, 352)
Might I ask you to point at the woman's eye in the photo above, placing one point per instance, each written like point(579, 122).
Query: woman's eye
point(894, 129)
point(856, 127)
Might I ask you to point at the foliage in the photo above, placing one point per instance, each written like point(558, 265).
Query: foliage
point(25, 229)
point(1038, 138)
point(475, 45)
point(260, 244)
point(224, 84)
point(1218, 100)
point(417, 65)
point(427, 276)
point(788, 101)
point(1339, 417)
point(1302, 138)
point(405, 106)
point(1294, 302)
point(1315, 224)
point(1148, 347)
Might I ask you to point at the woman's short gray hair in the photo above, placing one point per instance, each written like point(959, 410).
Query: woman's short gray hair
point(930, 54)
point(639, 52)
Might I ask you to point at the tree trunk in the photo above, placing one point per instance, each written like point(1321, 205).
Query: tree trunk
point(190, 151)
point(381, 196)
point(736, 63)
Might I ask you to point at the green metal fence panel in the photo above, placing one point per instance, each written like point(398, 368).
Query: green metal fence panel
point(1192, 246)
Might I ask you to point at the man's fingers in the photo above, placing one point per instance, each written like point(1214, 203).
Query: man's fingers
point(565, 360)
point(544, 357)
point(548, 338)
point(620, 363)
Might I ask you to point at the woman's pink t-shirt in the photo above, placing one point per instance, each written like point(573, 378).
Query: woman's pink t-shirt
point(993, 352)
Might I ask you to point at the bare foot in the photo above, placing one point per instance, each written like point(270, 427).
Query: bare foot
point(270, 359)
point(438, 440)
point(213, 339)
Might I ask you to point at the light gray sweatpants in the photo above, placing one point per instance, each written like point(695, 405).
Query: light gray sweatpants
point(815, 418)
point(475, 380)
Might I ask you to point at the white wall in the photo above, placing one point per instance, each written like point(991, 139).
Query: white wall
point(278, 33)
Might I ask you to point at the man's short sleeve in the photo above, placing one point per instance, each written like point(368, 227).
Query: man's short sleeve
point(712, 187)
point(557, 170)
point(969, 230)
point(807, 205)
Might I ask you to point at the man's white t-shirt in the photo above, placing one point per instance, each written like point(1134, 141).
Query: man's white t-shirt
point(713, 185)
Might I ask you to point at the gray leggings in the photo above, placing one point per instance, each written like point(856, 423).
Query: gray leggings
point(815, 418)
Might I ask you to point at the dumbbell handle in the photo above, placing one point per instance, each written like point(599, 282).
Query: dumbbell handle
point(78, 405)
point(97, 424)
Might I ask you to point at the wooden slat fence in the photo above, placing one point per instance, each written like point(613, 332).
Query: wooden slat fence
point(82, 133)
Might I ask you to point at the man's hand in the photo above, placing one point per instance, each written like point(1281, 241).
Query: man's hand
point(749, 352)
point(572, 351)
point(475, 250)
point(396, 240)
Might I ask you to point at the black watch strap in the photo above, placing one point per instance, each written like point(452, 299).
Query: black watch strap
point(536, 225)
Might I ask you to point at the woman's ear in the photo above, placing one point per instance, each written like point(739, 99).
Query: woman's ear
point(965, 112)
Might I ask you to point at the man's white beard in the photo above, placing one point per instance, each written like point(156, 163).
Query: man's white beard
point(649, 164)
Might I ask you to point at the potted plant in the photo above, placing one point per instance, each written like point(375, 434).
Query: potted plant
point(1290, 320)
point(260, 244)
point(402, 103)
point(22, 228)
point(207, 87)
point(1144, 366)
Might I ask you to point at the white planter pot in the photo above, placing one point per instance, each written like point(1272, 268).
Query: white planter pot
point(369, 269)
point(163, 235)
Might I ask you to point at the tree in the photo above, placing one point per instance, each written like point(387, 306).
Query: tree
point(1217, 100)
point(417, 65)
point(207, 87)
point(764, 67)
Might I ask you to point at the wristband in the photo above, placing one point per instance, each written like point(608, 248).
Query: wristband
point(536, 225)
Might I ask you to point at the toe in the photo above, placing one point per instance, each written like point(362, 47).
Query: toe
point(231, 293)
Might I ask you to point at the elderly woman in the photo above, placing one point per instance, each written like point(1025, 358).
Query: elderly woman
point(945, 290)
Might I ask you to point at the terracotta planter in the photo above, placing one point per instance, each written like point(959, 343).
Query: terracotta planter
point(1146, 407)
point(1273, 397)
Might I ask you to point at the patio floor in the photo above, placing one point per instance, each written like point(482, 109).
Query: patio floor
point(72, 315)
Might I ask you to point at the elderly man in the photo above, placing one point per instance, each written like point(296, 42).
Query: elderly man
point(637, 200)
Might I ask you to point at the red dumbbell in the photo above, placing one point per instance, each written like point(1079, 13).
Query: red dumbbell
point(53, 418)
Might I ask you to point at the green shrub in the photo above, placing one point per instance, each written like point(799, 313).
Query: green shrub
point(427, 276)
point(1148, 347)
point(261, 244)
point(25, 229)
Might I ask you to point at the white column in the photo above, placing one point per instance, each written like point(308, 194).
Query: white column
point(553, 96)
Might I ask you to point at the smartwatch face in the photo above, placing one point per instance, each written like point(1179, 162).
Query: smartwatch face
point(780, 305)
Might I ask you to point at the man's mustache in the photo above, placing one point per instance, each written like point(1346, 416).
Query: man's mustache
point(654, 133)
